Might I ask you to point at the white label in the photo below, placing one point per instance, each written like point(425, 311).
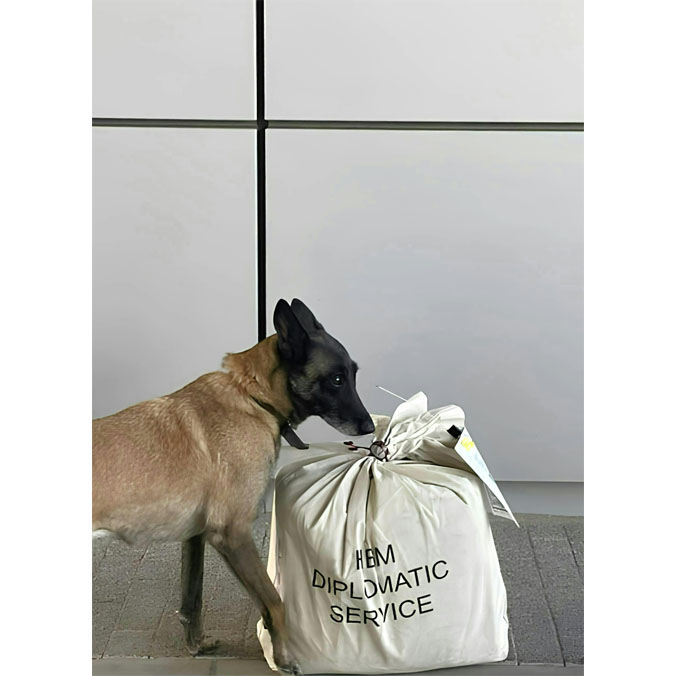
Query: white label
point(468, 451)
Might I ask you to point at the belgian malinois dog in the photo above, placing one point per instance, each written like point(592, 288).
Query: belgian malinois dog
point(192, 466)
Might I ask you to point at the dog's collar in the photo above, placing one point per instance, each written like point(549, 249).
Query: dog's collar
point(284, 423)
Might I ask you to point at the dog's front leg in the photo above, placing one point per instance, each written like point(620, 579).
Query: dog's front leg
point(241, 554)
point(192, 576)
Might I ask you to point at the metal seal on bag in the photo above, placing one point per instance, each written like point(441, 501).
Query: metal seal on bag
point(378, 449)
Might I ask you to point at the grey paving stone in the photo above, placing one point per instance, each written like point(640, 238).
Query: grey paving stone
point(144, 604)
point(228, 613)
point(137, 595)
point(258, 531)
point(161, 561)
point(169, 639)
point(99, 546)
point(117, 547)
point(100, 638)
point(115, 574)
point(104, 619)
point(214, 565)
point(266, 540)
point(562, 585)
point(226, 610)
point(531, 620)
point(575, 533)
point(130, 643)
point(223, 581)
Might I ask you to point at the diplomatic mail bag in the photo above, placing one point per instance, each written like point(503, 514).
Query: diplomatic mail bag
point(384, 557)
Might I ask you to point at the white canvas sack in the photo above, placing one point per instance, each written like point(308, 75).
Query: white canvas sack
point(388, 565)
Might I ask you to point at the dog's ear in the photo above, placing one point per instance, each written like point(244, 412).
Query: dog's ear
point(292, 338)
point(305, 316)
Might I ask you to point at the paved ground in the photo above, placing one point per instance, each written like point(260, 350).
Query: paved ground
point(183, 666)
point(136, 596)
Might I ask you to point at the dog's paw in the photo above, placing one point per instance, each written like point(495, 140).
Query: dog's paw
point(207, 648)
point(291, 667)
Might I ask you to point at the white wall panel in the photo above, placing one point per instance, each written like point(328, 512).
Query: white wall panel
point(173, 58)
point(174, 266)
point(478, 60)
point(449, 262)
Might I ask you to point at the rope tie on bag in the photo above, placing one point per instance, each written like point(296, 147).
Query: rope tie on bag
point(378, 449)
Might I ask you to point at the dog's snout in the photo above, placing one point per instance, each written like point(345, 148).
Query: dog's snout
point(367, 427)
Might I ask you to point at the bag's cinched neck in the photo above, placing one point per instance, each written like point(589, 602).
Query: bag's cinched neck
point(378, 449)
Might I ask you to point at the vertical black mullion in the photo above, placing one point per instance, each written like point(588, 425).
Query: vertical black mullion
point(261, 124)
point(260, 233)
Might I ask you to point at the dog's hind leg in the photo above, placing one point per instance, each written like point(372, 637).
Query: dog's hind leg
point(239, 550)
point(192, 576)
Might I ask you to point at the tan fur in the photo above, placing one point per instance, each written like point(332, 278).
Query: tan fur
point(194, 461)
point(192, 466)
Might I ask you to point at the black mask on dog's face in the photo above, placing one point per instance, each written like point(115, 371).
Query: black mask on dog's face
point(321, 373)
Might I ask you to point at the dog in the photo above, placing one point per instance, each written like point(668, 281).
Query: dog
point(192, 466)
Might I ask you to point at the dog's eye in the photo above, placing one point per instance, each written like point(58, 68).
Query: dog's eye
point(337, 380)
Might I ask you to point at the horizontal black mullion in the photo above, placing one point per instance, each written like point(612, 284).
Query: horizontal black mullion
point(159, 122)
point(338, 124)
point(425, 125)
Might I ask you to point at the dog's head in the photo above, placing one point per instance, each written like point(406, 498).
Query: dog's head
point(321, 373)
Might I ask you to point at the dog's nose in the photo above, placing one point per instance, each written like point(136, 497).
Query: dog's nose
point(367, 427)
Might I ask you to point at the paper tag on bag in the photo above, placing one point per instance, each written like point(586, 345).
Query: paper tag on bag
point(467, 450)
point(494, 506)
